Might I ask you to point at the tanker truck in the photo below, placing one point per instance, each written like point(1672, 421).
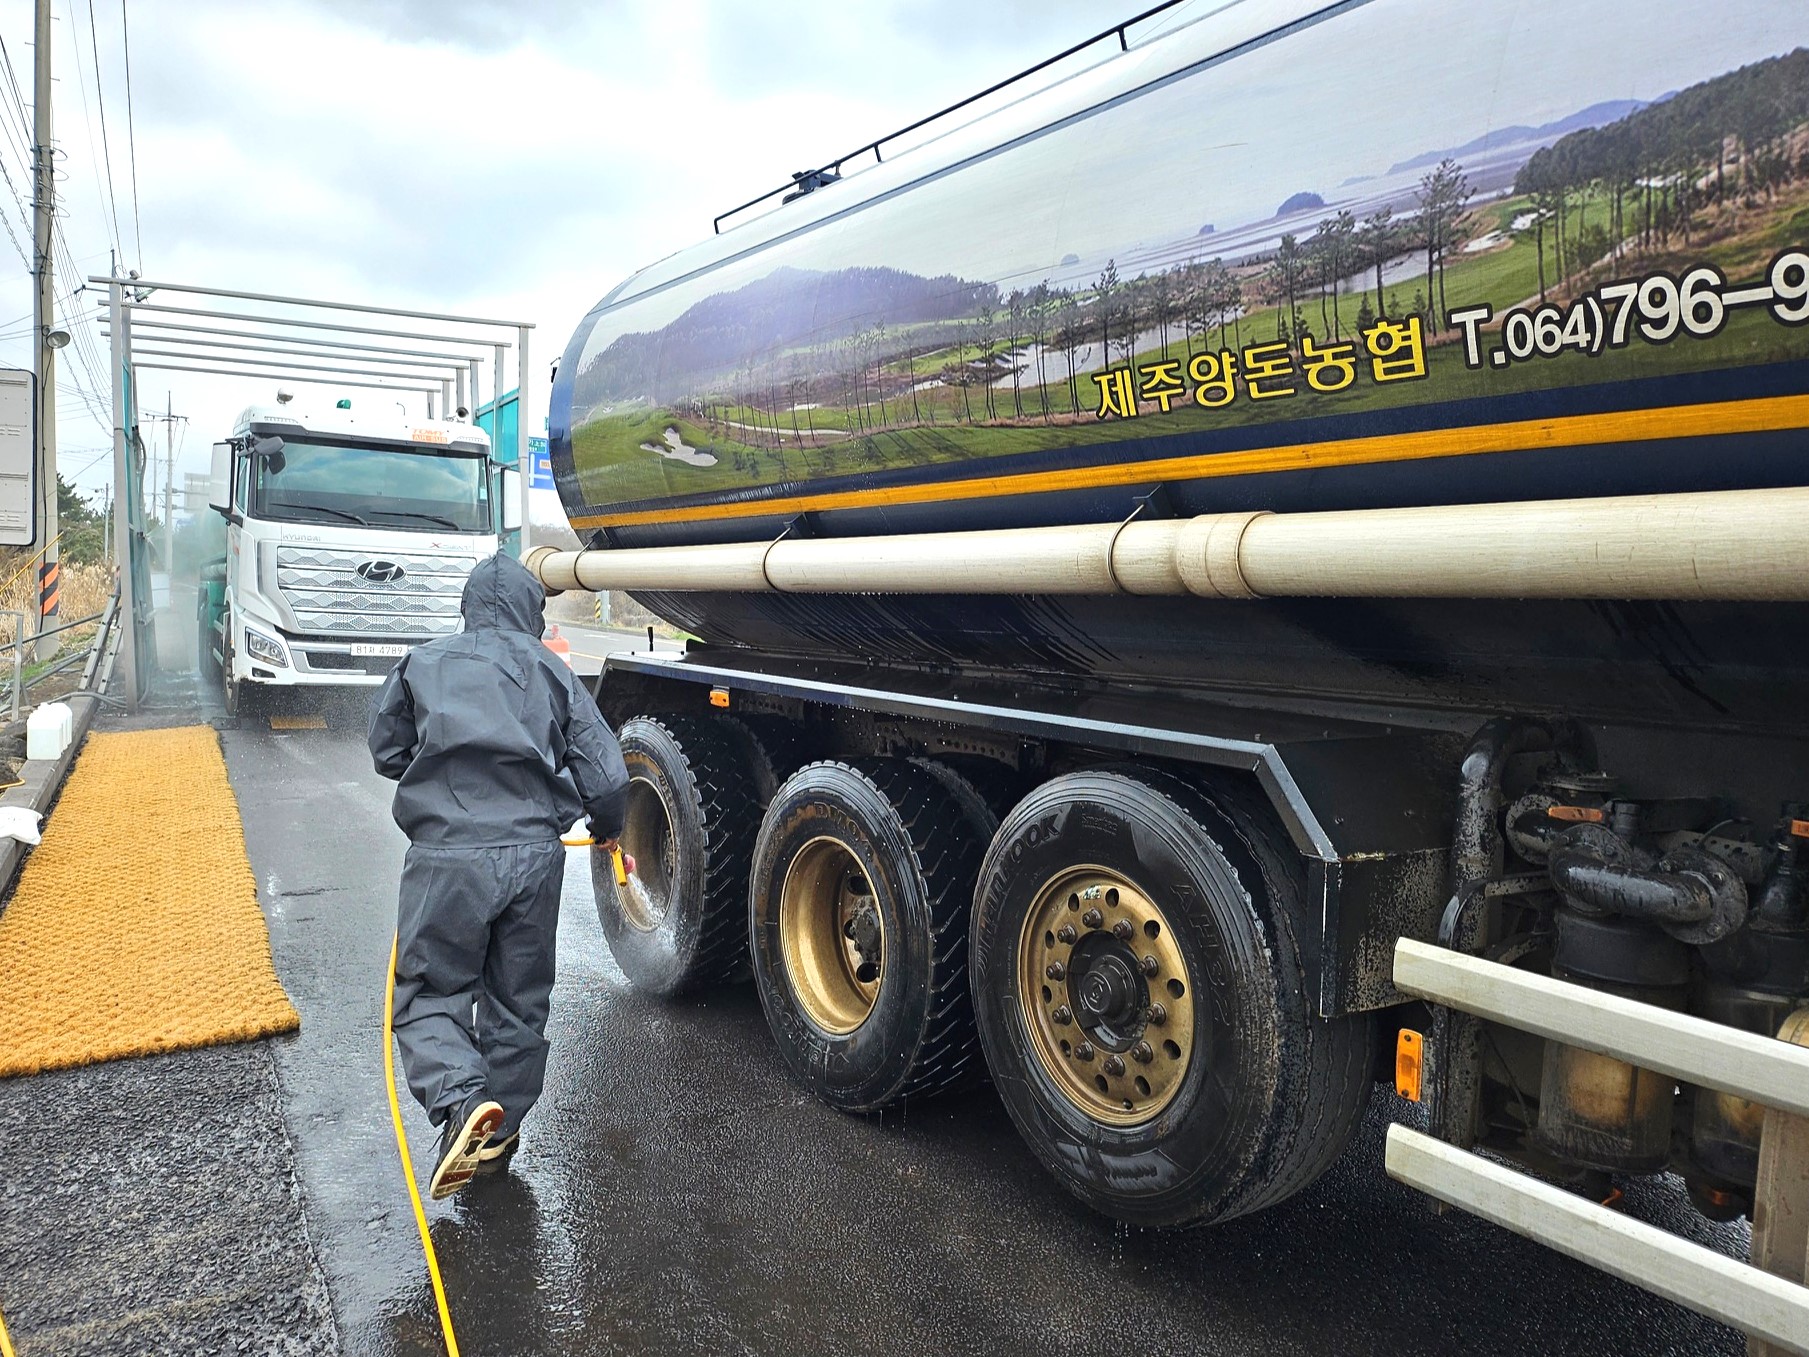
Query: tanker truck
point(1266, 558)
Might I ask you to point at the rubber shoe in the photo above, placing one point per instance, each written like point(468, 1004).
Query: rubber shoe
point(461, 1143)
point(495, 1157)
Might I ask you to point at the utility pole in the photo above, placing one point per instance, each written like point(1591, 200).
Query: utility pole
point(44, 316)
point(169, 422)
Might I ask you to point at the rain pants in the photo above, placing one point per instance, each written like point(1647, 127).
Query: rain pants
point(497, 749)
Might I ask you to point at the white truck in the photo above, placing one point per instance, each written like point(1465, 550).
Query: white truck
point(348, 539)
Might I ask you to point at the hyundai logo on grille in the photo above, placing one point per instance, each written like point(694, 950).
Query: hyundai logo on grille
point(381, 572)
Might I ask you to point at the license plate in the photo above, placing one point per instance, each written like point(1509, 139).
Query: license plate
point(372, 651)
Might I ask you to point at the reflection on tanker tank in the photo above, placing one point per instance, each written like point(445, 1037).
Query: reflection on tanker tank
point(1039, 289)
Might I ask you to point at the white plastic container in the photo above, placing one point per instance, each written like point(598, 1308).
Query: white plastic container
point(48, 731)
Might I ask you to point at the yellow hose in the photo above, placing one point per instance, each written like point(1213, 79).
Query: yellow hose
point(615, 856)
point(6, 1341)
point(408, 1167)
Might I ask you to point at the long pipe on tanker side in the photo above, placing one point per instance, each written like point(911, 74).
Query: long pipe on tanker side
point(1726, 544)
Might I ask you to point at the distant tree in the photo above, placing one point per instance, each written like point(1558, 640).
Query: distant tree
point(1283, 281)
point(987, 335)
point(1068, 329)
point(1228, 300)
point(1163, 293)
point(1379, 244)
point(82, 525)
point(1336, 240)
point(1105, 292)
point(1039, 309)
point(1443, 193)
point(1016, 306)
point(877, 339)
point(963, 373)
point(1131, 316)
point(797, 383)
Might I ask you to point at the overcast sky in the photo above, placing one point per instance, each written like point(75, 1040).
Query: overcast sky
point(510, 158)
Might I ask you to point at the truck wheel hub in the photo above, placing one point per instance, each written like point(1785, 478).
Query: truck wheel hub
point(1107, 996)
point(832, 936)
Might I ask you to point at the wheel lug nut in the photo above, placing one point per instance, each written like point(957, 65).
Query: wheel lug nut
point(1063, 1015)
point(1151, 965)
point(1055, 970)
point(1122, 930)
point(1084, 1051)
point(1157, 1015)
point(1113, 1065)
point(1142, 1053)
point(1092, 918)
point(1066, 933)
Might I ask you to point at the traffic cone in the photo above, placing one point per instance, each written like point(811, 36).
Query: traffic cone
point(559, 645)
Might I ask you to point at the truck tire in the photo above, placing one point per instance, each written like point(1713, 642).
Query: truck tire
point(681, 924)
point(859, 898)
point(1141, 997)
point(242, 699)
point(207, 662)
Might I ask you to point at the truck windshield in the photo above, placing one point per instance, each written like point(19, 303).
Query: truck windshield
point(375, 487)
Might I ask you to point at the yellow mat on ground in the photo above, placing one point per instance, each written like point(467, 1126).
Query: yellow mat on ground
point(135, 928)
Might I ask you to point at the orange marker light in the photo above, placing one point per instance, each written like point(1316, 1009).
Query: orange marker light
point(1407, 1064)
point(719, 697)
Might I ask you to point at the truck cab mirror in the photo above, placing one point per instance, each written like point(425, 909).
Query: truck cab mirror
point(219, 481)
point(271, 450)
point(508, 487)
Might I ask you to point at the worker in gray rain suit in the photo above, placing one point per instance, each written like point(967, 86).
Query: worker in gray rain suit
point(497, 749)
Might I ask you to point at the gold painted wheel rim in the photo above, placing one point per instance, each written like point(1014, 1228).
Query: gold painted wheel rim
point(647, 837)
point(831, 936)
point(1106, 995)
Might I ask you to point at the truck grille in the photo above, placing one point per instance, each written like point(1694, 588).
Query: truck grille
point(330, 598)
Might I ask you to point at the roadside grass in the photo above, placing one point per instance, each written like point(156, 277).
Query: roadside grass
point(85, 591)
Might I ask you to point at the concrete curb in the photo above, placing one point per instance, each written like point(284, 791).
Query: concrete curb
point(41, 780)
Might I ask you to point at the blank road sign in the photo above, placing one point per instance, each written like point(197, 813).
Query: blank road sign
point(17, 458)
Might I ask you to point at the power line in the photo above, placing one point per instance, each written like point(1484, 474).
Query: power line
point(131, 135)
point(104, 192)
point(13, 235)
point(18, 104)
point(100, 98)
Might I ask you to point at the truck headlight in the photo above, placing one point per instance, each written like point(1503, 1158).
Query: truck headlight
point(265, 648)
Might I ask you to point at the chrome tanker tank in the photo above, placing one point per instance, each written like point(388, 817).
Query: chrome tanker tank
point(1279, 258)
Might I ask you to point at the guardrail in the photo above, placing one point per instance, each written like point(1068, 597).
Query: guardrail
point(1769, 1301)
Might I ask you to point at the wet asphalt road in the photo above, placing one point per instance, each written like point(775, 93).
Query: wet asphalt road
point(676, 1193)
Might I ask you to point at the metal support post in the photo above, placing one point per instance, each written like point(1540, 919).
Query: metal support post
point(18, 618)
point(473, 403)
point(446, 400)
point(524, 462)
point(122, 497)
point(496, 394)
point(169, 488)
point(463, 404)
